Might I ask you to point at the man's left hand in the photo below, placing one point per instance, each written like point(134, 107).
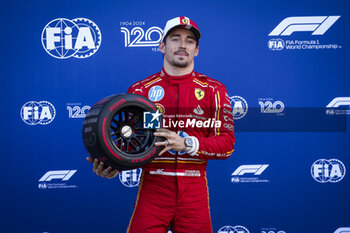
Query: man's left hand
point(173, 141)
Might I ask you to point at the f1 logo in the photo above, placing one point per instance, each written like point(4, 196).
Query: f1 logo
point(255, 169)
point(64, 175)
point(316, 24)
point(339, 101)
point(343, 230)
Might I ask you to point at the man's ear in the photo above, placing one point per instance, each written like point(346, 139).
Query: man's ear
point(197, 51)
point(162, 47)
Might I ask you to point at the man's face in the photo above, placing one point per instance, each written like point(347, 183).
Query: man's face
point(180, 48)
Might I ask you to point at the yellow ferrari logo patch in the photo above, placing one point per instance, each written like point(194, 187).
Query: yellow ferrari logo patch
point(199, 93)
point(184, 21)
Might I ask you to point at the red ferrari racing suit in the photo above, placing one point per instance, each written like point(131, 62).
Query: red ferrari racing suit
point(173, 187)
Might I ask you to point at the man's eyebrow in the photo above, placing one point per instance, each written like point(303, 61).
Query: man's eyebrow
point(191, 37)
point(174, 35)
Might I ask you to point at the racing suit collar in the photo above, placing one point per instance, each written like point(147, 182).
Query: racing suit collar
point(177, 79)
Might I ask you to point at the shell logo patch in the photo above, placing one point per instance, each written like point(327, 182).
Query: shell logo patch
point(199, 93)
point(160, 108)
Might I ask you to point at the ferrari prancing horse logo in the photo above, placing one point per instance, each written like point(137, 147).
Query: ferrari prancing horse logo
point(184, 21)
point(199, 93)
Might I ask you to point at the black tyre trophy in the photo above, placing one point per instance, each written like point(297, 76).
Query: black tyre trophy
point(113, 132)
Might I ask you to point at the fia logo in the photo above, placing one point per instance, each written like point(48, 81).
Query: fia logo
point(151, 120)
point(42, 186)
point(130, 178)
point(239, 106)
point(140, 38)
point(33, 113)
point(235, 229)
point(332, 170)
point(63, 38)
point(276, 44)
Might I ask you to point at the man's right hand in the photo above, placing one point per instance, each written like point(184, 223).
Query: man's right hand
point(98, 169)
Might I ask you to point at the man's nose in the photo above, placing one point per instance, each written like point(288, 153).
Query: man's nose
point(182, 44)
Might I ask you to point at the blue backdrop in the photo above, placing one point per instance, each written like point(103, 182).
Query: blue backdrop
point(59, 58)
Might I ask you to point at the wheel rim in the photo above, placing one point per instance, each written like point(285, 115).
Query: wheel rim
point(127, 132)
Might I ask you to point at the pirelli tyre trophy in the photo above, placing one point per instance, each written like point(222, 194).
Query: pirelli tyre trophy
point(114, 133)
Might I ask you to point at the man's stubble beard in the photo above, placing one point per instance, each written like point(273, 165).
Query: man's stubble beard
point(180, 64)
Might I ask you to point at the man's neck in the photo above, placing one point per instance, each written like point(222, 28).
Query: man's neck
point(178, 71)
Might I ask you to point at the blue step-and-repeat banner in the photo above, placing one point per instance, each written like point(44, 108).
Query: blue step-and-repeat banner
point(286, 66)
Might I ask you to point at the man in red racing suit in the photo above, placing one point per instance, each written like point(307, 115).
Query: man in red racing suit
point(197, 126)
point(173, 188)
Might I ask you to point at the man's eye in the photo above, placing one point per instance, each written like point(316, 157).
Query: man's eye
point(190, 41)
